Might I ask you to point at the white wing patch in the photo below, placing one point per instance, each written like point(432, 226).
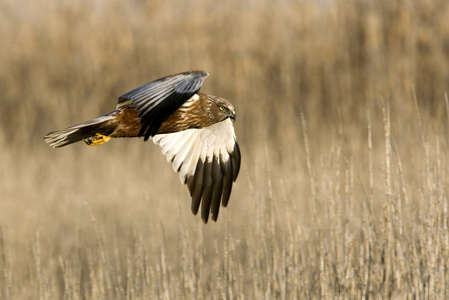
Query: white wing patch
point(207, 160)
point(185, 148)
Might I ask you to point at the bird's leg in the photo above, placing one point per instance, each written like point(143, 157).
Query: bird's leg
point(97, 139)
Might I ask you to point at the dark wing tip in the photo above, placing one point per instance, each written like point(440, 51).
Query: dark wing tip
point(208, 190)
point(195, 185)
point(230, 170)
point(211, 185)
point(236, 158)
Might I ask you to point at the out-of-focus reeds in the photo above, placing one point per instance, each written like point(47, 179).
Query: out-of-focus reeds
point(342, 118)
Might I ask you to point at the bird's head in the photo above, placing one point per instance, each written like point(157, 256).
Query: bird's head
point(221, 109)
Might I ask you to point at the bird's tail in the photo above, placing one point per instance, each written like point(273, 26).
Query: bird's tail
point(93, 132)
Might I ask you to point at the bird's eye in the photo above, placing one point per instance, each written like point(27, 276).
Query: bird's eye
point(221, 107)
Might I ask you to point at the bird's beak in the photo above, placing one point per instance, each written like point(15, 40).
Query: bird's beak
point(232, 115)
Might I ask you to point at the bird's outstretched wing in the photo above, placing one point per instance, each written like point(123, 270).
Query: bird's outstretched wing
point(207, 160)
point(157, 100)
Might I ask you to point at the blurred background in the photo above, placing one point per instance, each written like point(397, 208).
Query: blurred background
point(341, 118)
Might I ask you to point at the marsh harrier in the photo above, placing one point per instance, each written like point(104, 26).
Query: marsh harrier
point(194, 130)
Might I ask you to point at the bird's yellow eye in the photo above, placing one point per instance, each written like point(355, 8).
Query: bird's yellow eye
point(221, 107)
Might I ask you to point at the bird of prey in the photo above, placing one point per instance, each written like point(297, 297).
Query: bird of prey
point(194, 130)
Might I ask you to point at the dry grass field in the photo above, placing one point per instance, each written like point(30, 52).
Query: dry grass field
point(342, 118)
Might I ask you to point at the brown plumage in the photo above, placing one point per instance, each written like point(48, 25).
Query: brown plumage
point(197, 112)
point(193, 129)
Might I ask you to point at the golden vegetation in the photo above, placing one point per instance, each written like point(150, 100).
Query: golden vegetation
point(343, 124)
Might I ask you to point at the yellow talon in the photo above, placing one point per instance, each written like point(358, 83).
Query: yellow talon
point(98, 139)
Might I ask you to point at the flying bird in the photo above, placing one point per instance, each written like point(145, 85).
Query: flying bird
point(194, 130)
